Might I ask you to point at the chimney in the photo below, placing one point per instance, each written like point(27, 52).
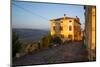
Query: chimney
point(76, 17)
point(64, 16)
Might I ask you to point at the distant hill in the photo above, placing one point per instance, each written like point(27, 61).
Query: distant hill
point(30, 35)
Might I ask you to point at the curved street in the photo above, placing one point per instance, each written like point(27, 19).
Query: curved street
point(69, 52)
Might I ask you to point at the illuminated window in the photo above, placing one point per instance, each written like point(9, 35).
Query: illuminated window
point(70, 28)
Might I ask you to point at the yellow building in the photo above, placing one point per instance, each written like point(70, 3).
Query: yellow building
point(67, 28)
point(90, 31)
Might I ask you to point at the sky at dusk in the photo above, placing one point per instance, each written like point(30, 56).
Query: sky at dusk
point(38, 15)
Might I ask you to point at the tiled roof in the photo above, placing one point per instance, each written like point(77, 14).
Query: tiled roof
point(65, 18)
point(62, 18)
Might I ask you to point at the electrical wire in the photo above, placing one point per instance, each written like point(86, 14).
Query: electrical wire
point(31, 12)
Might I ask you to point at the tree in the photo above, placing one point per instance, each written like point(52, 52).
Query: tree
point(46, 40)
point(16, 45)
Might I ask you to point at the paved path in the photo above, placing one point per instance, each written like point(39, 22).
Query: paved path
point(69, 52)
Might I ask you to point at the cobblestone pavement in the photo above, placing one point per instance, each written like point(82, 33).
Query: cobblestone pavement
point(69, 52)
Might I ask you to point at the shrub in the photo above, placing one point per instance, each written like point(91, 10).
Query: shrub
point(57, 40)
point(45, 41)
point(16, 45)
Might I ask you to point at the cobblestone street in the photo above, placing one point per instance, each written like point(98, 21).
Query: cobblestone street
point(69, 52)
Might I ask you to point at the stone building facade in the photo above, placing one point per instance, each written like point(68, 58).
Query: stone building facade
point(67, 28)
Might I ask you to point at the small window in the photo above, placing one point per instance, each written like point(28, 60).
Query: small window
point(53, 27)
point(70, 36)
point(74, 27)
point(61, 28)
point(61, 21)
point(70, 28)
point(62, 36)
point(70, 21)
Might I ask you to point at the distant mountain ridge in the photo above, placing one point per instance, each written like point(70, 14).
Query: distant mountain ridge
point(29, 35)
